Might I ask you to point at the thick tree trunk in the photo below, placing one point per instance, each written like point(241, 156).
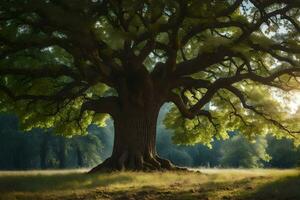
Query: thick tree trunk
point(135, 119)
point(134, 145)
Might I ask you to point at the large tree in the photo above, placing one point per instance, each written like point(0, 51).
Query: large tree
point(223, 63)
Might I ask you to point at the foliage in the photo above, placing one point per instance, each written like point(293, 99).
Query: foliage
point(226, 65)
point(283, 152)
point(239, 152)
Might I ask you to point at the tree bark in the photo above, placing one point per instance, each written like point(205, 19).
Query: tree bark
point(140, 97)
point(134, 144)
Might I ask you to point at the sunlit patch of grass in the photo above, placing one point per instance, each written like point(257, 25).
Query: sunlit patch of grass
point(38, 181)
point(209, 184)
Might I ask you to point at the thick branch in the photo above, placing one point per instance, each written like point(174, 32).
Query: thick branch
point(214, 87)
point(174, 98)
point(108, 105)
point(45, 71)
point(201, 62)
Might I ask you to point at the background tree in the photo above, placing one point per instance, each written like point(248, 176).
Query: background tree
point(222, 63)
point(239, 152)
point(86, 151)
point(91, 144)
point(42, 149)
point(106, 136)
point(283, 152)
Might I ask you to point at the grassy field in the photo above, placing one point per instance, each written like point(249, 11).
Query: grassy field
point(207, 184)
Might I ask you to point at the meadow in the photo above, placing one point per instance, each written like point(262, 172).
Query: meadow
point(205, 184)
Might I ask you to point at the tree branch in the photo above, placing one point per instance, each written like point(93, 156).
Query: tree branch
point(45, 71)
point(109, 105)
point(241, 97)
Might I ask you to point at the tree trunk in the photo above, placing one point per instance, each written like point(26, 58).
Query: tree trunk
point(62, 153)
point(134, 144)
point(44, 149)
point(43, 152)
point(140, 98)
point(79, 156)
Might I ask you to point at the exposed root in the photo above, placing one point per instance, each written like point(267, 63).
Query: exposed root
point(135, 162)
point(167, 165)
point(105, 166)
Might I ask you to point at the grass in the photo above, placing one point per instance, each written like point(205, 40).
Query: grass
point(209, 184)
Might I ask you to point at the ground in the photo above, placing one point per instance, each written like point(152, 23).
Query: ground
point(207, 184)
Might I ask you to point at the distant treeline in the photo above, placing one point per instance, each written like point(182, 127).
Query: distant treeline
point(236, 152)
point(41, 149)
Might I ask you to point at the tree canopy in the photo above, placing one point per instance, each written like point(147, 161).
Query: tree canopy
point(226, 65)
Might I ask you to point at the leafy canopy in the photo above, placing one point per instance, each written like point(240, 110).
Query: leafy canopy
point(226, 65)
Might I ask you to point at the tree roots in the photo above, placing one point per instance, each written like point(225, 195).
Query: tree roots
point(135, 163)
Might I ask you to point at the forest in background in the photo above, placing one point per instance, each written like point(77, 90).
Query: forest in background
point(42, 149)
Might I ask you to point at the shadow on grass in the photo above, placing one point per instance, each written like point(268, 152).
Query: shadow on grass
point(54, 182)
point(287, 188)
point(206, 191)
point(256, 188)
